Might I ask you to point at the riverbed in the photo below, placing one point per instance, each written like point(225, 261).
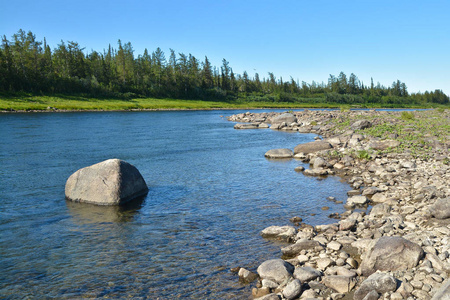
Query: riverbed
point(211, 192)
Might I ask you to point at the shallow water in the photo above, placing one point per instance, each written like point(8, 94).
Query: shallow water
point(211, 193)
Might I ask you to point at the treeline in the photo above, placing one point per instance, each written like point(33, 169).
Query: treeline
point(29, 65)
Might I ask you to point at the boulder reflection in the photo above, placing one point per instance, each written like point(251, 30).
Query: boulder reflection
point(85, 213)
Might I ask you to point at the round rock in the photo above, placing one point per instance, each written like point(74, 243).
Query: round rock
point(111, 182)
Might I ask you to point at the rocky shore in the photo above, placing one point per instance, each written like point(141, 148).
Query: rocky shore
point(393, 242)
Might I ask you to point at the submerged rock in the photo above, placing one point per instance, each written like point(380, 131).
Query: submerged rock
point(111, 182)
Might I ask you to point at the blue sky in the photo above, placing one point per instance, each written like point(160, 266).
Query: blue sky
point(308, 40)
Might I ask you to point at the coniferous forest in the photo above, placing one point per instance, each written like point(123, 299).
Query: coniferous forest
point(32, 66)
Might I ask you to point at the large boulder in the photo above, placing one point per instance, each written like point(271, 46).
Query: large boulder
point(441, 209)
point(276, 270)
point(391, 254)
point(111, 182)
point(288, 118)
point(279, 153)
point(312, 147)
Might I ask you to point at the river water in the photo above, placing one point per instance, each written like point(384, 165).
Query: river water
point(211, 193)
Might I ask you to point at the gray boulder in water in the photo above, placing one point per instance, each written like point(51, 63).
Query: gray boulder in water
point(111, 182)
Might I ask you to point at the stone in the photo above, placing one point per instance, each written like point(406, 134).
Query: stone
point(306, 274)
point(280, 232)
point(295, 219)
point(369, 191)
point(347, 224)
point(293, 289)
point(258, 293)
point(288, 118)
point(443, 293)
point(299, 169)
point(361, 124)
point(379, 282)
point(300, 245)
point(391, 254)
point(279, 153)
point(379, 198)
point(111, 182)
point(441, 209)
point(381, 209)
point(333, 245)
point(325, 262)
point(245, 126)
point(246, 275)
point(357, 200)
point(276, 270)
point(269, 297)
point(269, 283)
point(339, 283)
point(312, 147)
point(319, 162)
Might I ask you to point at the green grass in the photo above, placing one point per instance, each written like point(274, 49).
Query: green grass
point(29, 102)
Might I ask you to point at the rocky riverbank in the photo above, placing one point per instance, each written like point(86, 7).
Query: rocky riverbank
point(396, 245)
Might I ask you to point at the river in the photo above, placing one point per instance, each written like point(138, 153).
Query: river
point(211, 192)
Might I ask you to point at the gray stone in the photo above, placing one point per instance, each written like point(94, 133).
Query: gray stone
point(339, 283)
point(276, 270)
point(312, 147)
point(347, 224)
point(111, 182)
point(391, 254)
point(269, 283)
point(279, 153)
point(441, 209)
point(306, 274)
point(300, 245)
point(293, 289)
point(361, 124)
point(319, 162)
point(381, 209)
point(378, 282)
point(281, 232)
point(246, 275)
point(245, 126)
point(357, 200)
point(325, 262)
point(288, 118)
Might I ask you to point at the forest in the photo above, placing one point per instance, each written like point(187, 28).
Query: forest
point(32, 66)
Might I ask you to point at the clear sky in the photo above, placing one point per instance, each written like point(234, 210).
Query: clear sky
point(308, 40)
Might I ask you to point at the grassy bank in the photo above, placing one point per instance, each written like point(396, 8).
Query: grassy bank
point(27, 102)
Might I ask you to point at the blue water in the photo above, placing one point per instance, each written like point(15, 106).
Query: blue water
point(211, 193)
